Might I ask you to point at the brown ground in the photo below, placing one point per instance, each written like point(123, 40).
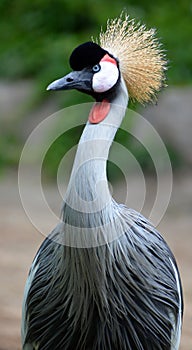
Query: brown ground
point(19, 241)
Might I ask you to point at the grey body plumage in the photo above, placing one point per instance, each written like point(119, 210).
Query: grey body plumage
point(115, 296)
point(104, 279)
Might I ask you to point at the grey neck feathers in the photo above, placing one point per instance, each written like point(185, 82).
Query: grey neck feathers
point(88, 203)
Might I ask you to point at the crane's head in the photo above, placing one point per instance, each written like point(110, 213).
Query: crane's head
point(95, 72)
point(126, 50)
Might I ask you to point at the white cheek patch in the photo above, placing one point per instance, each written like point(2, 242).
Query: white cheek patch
point(106, 78)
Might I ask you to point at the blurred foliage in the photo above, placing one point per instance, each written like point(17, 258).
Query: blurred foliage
point(38, 36)
point(58, 149)
point(9, 150)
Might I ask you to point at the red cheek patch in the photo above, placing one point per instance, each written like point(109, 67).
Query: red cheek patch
point(99, 112)
point(108, 58)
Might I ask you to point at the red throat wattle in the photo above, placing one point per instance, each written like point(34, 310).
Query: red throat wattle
point(99, 112)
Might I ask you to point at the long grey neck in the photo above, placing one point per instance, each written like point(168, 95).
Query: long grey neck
point(88, 192)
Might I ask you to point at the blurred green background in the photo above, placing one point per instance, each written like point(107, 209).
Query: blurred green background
point(37, 38)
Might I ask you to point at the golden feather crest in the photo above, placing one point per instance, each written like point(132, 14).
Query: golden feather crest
point(141, 59)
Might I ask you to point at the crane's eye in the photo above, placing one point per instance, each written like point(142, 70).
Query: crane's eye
point(96, 68)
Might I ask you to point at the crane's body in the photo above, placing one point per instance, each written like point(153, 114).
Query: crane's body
point(104, 279)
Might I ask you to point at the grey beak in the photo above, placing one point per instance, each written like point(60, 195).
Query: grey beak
point(80, 80)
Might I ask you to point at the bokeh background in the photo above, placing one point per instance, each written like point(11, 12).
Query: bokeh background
point(36, 39)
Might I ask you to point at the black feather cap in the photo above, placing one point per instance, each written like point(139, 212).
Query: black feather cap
point(87, 54)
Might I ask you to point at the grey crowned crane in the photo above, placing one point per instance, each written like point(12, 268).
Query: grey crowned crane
point(105, 279)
